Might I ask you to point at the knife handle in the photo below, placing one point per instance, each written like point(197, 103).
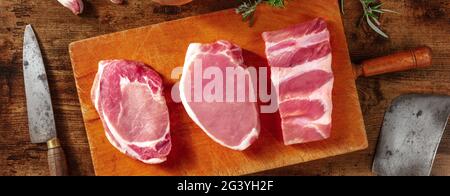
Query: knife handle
point(401, 61)
point(56, 158)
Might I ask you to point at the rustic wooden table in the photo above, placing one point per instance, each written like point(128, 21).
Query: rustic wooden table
point(420, 23)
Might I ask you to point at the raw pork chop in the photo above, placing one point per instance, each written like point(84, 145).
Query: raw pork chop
point(231, 122)
point(129, 99)
point(300, 60)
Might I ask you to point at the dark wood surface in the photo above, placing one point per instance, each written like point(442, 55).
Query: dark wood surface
point(421, 22)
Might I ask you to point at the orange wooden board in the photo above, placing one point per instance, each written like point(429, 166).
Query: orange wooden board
point(163, 46)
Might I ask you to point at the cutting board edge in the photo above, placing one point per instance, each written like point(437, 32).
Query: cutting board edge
point(362, 147)
point(349, 63)
point(75, 43)
point(85, 120)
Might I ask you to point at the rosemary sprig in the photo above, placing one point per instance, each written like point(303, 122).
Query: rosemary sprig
point(248, 8)
point(371, 11)
point(371, 14)
point(276, 3)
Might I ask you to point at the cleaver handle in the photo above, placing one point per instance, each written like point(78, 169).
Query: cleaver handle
point(56, 158)
point(401, 61)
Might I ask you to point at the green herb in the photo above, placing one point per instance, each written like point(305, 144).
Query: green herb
point(248, 8)
point(372, 11)
point(276, 3)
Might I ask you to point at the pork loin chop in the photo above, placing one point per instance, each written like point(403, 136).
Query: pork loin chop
point(228, 119)
point(128, 97)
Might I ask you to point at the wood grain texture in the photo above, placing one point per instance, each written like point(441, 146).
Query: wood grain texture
point(163, 47)
point(57, 162)
point(421, 22)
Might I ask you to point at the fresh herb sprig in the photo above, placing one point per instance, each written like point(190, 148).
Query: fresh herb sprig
point(371, 11)
point(248, 8)
point(371, 14)
point(276, 3)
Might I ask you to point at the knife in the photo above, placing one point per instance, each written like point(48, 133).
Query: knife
point(41, 122)
point(412, 130)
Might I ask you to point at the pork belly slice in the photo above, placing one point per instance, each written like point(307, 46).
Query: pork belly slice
point(300, 61)
point(233, 123)
point(128, 97)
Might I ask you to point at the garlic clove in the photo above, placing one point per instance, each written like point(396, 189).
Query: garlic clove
point(117, 1)
point(76, 6)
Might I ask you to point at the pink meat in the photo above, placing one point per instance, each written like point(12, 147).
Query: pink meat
point(300, 60)
point(128, 97)
point(230, 120)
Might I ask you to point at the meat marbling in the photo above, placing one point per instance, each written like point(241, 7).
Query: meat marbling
point(300, 61)
point(128, 97)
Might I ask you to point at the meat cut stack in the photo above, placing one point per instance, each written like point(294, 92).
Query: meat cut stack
point(225, 117)
point(128, 97)
point(300, 61)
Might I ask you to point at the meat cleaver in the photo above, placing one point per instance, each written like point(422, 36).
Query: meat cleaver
point(410, 135)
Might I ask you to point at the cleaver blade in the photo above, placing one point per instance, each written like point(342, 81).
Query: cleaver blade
point(410, 135)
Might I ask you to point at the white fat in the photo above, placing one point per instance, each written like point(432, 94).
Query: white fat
point(298, 140)
point(323, 94)
point(101, 66)
point(124, 81)
point(191, 53)
point(113, 142)
point(247, 141)
point(154, 84)
point(155, 160)
point(302, 42)
point(154, 142)
point(280, 74)
point(125, 144)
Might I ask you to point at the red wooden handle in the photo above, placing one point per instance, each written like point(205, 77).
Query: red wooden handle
point(401, 61)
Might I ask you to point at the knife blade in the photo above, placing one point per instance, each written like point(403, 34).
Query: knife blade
point(41, 121)
point(412, 130)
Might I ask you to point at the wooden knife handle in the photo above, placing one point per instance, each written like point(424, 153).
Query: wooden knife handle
point(56, 158)
point(406, 60)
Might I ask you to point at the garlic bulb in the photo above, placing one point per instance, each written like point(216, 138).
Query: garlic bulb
point(76, 6)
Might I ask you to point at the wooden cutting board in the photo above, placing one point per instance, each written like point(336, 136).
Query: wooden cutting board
point(163, 46)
